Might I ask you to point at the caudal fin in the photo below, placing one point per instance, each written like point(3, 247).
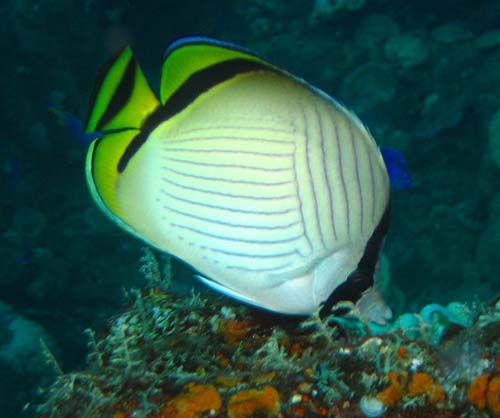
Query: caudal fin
point(122, 98)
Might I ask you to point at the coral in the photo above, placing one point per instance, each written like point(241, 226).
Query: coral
point(70, 274)
point(424, 384)
point(371, 407)
point(247, 403)
point(169, 356)
point(461, 358)
point(189, 404)
point(431, 324)
point(484, 392)
point(477, 391)
point(493, 396)
point(393, 393)
point(23, 347)
point(419, 384)
point(234, 331)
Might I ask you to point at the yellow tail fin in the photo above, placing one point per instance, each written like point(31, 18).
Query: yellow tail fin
point(122, 98)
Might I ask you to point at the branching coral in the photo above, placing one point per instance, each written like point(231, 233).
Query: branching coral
point(172, 356)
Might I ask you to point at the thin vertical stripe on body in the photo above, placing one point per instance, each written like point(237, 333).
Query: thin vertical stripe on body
point(206, 189)
point(224, 203)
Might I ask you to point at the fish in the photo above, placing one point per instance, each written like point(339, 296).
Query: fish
point(274, 192)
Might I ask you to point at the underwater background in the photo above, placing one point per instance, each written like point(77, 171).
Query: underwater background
point(424, 76)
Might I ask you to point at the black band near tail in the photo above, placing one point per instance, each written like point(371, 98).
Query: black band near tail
point(121, 95)
point(361, 279)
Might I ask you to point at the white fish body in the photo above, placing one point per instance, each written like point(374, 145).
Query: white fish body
point(265, 185)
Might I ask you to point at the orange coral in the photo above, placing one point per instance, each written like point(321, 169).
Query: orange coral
point(424, 384)
point(402, 352)
point(485, 390)
point(195, 400)
point(420, 384)
point(246, 403)
point(298, 411)
point(493, 396)
point(296, 349)
point(223, 360)
point(323, 411)
point(477, 391)
point(233, 330)
point(392, 393)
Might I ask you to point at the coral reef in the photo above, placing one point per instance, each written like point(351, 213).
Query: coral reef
point(195, 400)
point(64, 265)
point(172, 356)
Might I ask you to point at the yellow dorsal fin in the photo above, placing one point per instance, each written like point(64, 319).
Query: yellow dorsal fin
point(122, 98)
point(190, 55)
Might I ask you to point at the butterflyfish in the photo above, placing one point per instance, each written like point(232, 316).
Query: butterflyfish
point(273, 191)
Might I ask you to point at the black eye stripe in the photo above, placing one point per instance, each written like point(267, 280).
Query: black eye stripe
point(198, 83)
point(361, 279)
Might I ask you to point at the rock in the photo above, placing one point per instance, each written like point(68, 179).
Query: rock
point(375, 29)
point(439, 114)
point(494, 137)
point(23, 350)
point(368, 85)
point(327, 8)
point(407, 50)
point(452, 32)
point(486, 256)
point(489, 39)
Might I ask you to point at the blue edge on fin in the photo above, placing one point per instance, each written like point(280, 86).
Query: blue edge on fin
point(396, 167)
point(187, 40)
